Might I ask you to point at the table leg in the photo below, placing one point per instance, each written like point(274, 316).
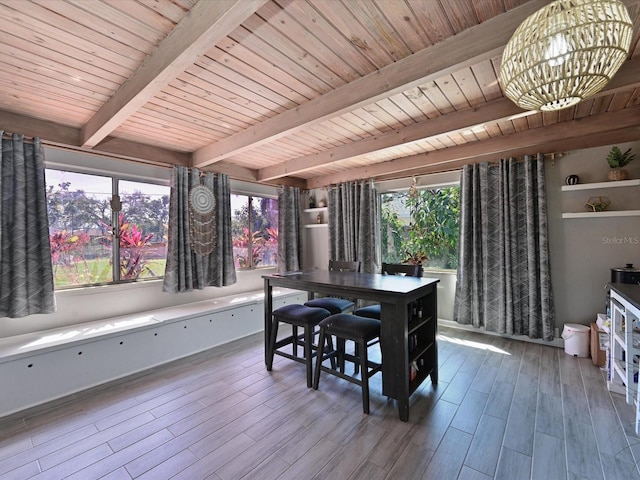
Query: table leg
point(395, 356)
point(434, 372)
point(268, 311)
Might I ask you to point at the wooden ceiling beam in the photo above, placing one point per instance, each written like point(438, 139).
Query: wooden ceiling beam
point(502, 108)
point(481, 42)
point(234, 171)
point(607, 137)
point(494, 148)
point(53, 134)
point(628, 77)
point(146, 153)
point(56, 135)
point(207, 23)
point(249, 175)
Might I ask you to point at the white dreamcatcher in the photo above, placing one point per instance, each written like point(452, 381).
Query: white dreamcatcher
point(202, 219)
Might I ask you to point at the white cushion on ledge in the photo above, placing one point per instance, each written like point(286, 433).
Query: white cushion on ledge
point(14, 347)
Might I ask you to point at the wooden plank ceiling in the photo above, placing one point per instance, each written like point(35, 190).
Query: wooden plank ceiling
point(305, 92)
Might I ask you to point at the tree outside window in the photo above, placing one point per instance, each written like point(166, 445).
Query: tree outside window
point(421, 227)
point(254, 229)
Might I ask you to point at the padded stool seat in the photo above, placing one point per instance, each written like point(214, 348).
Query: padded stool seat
point(333, 304)
point(370, 311)
point(300, 315)
point(373, 311)
point(297, 316)
point(347, 325)
point(360, 330)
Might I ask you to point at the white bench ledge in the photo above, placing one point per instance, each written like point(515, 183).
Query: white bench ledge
point(19, 346)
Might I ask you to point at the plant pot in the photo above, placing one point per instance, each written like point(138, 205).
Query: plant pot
point(618, 174)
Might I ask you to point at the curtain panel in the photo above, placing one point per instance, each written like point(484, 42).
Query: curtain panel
point(504, 279)
point(354, 221)
point(289, 230)
point(187, 270)
point(26, 272)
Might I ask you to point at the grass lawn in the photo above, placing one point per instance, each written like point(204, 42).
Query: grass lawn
point(97, 271)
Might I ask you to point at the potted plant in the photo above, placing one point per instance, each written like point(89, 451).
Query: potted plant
point(618, 159)
point(417, 258)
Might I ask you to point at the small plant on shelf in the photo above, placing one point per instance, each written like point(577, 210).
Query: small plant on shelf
point(597, 204)
point(618, 159)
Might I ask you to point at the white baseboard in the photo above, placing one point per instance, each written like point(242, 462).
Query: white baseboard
point(556, 342)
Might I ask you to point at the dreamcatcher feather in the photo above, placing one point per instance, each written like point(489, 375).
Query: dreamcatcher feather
point(202, 220)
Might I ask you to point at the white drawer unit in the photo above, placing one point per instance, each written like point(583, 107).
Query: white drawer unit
point(625, 343)
point(42, 366)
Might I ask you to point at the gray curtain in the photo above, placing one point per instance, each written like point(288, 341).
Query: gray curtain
point(187, 270)
point(354, 224)
point(289, 235)
point(504, 280)
point(26, 273)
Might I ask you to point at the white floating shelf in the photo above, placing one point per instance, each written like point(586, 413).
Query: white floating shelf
point(611, 213)
point(317, 209)
point(316, 225)
point(592, 186)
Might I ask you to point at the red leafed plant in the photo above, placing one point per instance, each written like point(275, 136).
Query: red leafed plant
point(273, 234)
point(132, 244)
point(67, 253)
point(242, 242)
point(64, 243)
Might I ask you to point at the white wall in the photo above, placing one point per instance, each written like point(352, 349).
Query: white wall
point(446, 291)
point(315, 241)
point(584, 250)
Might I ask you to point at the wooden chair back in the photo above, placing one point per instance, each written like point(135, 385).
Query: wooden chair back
point(401, 268)
point(342, 266)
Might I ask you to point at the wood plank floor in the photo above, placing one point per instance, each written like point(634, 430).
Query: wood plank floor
point(503, 409)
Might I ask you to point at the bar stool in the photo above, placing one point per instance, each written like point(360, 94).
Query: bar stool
point(296, 316)
point(334, 304)
point(373, 311)
point(344, 327)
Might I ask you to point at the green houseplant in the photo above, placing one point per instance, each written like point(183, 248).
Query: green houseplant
point(618, 159)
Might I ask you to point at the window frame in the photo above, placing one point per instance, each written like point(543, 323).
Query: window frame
point(250, 197)
point(114, 218)
point(437, 181)
point(77, 161)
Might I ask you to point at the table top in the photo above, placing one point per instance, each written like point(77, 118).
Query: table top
point(363, 283)
point(629, 291)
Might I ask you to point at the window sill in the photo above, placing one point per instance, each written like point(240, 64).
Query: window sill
point(112, 287)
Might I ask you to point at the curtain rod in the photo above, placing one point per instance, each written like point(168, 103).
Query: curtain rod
point(9, 136)
point(520, 158)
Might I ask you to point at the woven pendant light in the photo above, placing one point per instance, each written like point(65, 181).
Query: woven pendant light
point(565, 52)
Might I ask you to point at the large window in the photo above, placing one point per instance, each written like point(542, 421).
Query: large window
point(105, 230)
point(421, 225)
point(254, 228)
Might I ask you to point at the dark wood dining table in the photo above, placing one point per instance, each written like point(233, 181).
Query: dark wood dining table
point(408, 321)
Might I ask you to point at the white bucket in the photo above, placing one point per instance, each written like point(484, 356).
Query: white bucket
point(576, 339)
